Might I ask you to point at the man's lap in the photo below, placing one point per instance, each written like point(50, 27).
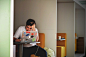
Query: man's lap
point(32, 50)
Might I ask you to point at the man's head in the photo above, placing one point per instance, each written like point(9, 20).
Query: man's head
point(29, 24)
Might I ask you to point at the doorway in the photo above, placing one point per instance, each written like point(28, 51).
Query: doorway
point(79, 30)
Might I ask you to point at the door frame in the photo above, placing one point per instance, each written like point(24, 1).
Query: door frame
point(11, 26)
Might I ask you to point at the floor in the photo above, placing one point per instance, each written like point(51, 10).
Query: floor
point(79, 55)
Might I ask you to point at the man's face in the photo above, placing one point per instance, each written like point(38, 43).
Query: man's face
point(28, 28)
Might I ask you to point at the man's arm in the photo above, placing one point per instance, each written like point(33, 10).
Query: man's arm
point(17, 34)
point(37, 35)
point(33, 28)
point(16, 40)
point(37, 38)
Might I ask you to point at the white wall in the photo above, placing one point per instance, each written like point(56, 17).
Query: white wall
point(80, 22)
point(44, 12)
point(66, 24)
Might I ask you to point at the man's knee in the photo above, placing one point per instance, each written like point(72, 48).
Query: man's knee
point(43, 51)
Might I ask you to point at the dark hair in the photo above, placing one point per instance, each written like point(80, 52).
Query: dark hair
point(30, 22)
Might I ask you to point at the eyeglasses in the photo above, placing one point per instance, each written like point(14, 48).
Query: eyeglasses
point(30, 28)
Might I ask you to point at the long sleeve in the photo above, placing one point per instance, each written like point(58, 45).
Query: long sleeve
point(17, 34)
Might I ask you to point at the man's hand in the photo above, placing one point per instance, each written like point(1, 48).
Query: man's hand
point(37, 39)
point(17, 40)
point(33, 27)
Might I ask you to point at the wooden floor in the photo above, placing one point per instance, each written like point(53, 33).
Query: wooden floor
point(79, 55)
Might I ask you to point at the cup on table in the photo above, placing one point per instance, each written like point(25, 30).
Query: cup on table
point(59, 37)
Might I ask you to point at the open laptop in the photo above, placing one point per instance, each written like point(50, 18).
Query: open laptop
point(29, 36)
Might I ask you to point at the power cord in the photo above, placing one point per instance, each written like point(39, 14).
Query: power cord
point(37, 51)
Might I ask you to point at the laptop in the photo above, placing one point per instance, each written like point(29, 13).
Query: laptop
point(29, 36)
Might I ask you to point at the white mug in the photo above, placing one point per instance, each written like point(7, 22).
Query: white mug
point(59, 37)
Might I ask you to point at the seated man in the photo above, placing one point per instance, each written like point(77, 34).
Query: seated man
point(29, 49)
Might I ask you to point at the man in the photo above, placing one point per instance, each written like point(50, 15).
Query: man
point(29, 48)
